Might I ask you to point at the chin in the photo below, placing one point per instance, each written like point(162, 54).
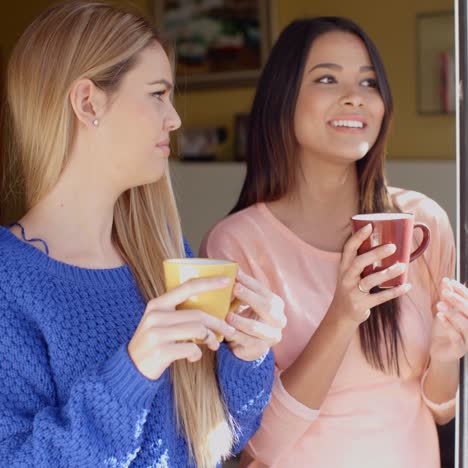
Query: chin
point(353, 154)
point(148, 178)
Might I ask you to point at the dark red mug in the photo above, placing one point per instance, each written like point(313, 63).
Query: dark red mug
point(391, 228)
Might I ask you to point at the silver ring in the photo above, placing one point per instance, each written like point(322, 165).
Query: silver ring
point(362, 289)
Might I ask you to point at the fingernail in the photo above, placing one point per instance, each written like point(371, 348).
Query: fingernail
point(368, 227)
point(447, 293)
point(225, 280)
point(442, 318)
point(442, 306)
point(390, 248)
point(405, 287)
point(400, 266)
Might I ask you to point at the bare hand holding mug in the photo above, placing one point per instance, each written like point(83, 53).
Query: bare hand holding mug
point(391, 228)
point(353, 300)
point(165, 334)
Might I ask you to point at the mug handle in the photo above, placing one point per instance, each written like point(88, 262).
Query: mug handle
point(424, 243)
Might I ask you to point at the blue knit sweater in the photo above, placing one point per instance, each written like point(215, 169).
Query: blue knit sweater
point(69, 394)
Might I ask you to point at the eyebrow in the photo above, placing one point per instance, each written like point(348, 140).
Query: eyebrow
point(163, 81)
point(334, 66)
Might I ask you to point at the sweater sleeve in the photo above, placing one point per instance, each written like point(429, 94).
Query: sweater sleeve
point(285, 419)
point(188, 249)
point(101, 422)
point(246, 388)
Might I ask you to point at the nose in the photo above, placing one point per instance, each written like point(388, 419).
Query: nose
point(172, 121)
point(353, 98)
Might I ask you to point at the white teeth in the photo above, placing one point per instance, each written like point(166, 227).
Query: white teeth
point(347, 123)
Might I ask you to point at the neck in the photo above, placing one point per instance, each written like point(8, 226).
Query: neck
point(326, 187)
point(76, 217)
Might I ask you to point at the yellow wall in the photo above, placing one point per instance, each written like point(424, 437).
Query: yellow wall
point(392, 25)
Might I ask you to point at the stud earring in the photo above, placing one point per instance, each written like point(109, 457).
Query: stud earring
point(96, 122)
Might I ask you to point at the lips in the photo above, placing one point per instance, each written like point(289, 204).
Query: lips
point(164, 147)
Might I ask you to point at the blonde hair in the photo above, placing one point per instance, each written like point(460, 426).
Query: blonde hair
point(101, 42)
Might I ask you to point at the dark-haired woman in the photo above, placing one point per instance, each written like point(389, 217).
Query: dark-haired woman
point(363, 374)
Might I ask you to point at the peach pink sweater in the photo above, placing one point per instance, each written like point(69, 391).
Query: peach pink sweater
point(369, 419)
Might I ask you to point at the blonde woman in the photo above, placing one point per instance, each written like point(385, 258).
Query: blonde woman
point(97, 367)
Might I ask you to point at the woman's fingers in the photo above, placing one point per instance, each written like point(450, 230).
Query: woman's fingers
point(457, 320)
point(387, 295)
point(174, 317)
point(371, 257)
point(173, 298)
point(352, 245)
point(188, 331)
point(255, 328)
point(456, 301)
point(375, 279)
point(269, 308)
point(253, 284)
point(457, 287)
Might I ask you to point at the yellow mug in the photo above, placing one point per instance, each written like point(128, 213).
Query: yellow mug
point(216, 302)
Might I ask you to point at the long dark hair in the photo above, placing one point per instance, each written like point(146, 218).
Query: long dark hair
point(272, 156)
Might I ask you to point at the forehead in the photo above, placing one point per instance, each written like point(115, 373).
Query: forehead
point(152, 64)
point(342, 48)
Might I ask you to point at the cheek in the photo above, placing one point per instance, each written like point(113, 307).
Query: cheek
point(309, 110)
point(378, 111)
point(139, 121)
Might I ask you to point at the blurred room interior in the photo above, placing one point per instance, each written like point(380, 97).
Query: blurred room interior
point(421, 153)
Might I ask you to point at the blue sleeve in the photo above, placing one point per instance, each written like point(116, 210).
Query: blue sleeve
point(101, 422)
point(188, 249)
point(246, 388)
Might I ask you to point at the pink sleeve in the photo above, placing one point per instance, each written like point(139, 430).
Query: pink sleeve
point(285, 419)
point(442, 411)
point(442, 264)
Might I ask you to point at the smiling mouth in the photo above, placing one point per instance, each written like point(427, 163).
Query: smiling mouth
point(351, 124)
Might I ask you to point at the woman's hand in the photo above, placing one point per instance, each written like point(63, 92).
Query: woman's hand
point(352, 300)
point(450, 327)
point(259, 325)
point(165, 334)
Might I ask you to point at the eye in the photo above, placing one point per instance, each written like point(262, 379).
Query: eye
point(369, 83)
point(159, 94)
point(327, 79)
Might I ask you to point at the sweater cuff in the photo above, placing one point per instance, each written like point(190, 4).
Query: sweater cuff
point(437, 407)
point(126, 382)
point(234, 367)
point(294, 406)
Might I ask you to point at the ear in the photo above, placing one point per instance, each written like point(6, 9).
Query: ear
point(87, 100)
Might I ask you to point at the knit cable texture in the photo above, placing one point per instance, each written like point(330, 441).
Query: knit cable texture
point(70, 395)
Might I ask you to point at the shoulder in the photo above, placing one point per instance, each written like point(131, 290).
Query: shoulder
point(238, 232)
point(18, 272)
point(425, 209)
point(10, 255)
point(237, 225)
